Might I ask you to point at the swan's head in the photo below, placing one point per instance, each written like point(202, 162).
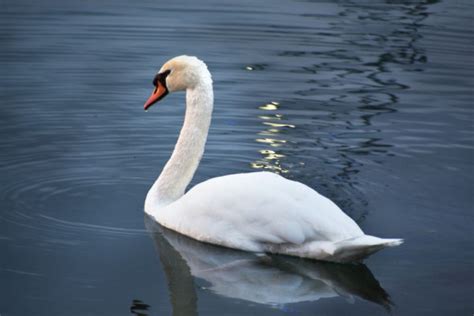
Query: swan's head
point(177, 74)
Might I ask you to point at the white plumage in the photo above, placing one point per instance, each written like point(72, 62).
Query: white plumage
point(260, 211)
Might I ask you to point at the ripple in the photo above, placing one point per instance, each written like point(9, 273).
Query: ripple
point(32, 202)
point(68, 226)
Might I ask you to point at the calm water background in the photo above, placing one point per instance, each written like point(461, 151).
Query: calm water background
point(370, 104)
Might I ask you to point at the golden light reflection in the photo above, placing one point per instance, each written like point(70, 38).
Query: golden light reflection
point(266, 117)
point(269, 132)
point(275, 168)
point(271, 141)
point(273, 126)
point(272, 106)
point(278, 124)
point(270, 154)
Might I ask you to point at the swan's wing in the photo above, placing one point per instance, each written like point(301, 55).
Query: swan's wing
point(249, 210)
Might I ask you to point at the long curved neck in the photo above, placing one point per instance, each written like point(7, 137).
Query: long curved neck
point(179, 170)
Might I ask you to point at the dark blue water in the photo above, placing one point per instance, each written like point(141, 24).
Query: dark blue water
point(370, 104)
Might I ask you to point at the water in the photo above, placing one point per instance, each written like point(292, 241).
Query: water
point(370, 104)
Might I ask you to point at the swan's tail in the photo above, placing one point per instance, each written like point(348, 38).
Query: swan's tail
point(355, 249)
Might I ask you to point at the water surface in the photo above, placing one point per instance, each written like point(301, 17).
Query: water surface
point(371, 105)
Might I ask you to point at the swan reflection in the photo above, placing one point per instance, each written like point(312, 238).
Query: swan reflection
point(263, 279)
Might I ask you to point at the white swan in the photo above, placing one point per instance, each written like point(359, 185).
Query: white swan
point(260, 211)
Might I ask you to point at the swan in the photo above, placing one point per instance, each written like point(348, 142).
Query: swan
point(257, 211)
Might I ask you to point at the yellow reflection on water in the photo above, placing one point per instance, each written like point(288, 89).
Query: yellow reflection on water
point(270, 154)
point(273, 117)
point(271, 141)
point(272, 106)
point(269, 132)
point(275, 167)
point(271, 157)
point(278, 124)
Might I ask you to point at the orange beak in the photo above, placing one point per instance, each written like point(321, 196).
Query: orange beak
point(159, 93)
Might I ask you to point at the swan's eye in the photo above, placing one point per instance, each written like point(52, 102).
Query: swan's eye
point(161, 77)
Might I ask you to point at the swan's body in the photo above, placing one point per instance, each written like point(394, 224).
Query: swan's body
point(261, 211)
